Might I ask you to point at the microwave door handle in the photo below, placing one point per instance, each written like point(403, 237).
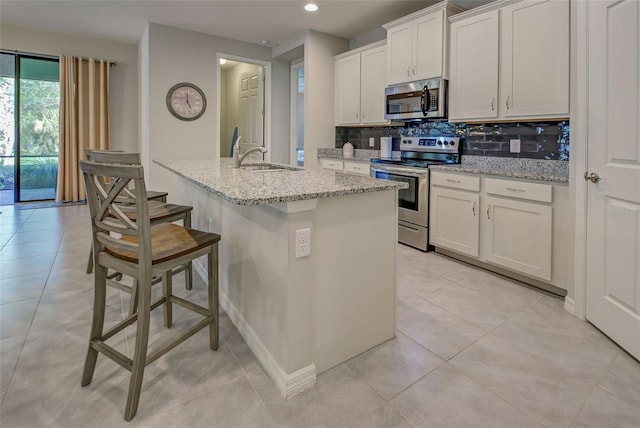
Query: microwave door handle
point(424, 101)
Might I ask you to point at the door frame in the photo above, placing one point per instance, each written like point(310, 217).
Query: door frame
point(579, 161)
point(267, 100)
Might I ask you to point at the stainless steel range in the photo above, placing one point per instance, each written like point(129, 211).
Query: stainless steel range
point(417, 154)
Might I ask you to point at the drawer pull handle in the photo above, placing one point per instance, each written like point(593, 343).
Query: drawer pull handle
point(513, 189)
point(493, 104)
point(474, 209)
point(489, 212)
point(507, 103)
point(453, 181)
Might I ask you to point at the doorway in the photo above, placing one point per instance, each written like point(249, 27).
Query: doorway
point(297, 113)
point(242, 106)
point(29, 127)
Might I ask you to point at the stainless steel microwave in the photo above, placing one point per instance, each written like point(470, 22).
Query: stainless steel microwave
point(423, 99)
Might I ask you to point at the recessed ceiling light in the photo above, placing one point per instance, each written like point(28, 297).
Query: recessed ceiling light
point(223, 61)
point(311, 7)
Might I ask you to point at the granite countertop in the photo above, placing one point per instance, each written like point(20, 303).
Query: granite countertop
point(246, 187)
point(531, 169)
point(359, 155)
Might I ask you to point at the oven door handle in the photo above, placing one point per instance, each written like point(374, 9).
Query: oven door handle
point(400, 171)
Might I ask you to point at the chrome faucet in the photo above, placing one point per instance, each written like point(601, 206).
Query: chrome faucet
point(238, 158)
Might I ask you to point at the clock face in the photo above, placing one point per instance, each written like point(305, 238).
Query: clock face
point(186, 101)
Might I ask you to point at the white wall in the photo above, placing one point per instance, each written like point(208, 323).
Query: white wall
point(319, 128)
point(123, 77)
point(177, 55)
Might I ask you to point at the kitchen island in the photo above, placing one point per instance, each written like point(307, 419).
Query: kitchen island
point(299, 315)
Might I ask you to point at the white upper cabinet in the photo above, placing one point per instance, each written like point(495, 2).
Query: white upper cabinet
point(473, 89)
point(417, 44)
point(534, 67)
point(348, 90)
point(373, 82)
point(510, 63)
point(360, 82)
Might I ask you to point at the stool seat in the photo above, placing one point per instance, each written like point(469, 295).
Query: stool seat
point(168, 241)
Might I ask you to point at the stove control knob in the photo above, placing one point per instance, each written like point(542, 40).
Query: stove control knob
point(446, 143)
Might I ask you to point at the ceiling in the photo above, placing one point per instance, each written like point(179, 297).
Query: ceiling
point(250, 21)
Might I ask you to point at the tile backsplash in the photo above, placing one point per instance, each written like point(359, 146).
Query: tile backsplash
point(538, 140)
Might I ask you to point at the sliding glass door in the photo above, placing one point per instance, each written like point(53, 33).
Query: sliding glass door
point(29, 123)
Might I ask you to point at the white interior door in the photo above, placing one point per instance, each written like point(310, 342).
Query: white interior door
point(251, 127)
point(613, 153)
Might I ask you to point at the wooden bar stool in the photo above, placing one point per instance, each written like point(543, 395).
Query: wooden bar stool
point(141, 250)
point(159, 210)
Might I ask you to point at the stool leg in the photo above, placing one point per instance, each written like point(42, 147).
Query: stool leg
point(212, 285)
point(167, 291)
point(140, 349)
point(90, 261)
point(188, 273)
point(97, 324)
point(133, 301)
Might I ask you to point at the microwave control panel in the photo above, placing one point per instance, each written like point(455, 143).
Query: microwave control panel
point(430, 144)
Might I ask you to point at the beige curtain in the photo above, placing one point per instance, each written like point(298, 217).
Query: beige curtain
point(84, 120)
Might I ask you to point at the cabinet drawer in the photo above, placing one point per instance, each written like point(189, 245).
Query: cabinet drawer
point(455, 181)
point(356, 168)
point(519, 189)
point(332, 164)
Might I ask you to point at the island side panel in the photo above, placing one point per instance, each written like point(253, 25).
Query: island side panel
point(354, 250)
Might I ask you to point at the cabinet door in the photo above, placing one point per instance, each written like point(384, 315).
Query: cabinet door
point(399, 53)
point(518, 236)
point(373, 71)
point(428, 34)
point(473, 84)
point(454, 220)
point(348, 90)
point(535, 58)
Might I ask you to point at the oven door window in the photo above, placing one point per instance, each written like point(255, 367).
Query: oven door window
point(407, 198)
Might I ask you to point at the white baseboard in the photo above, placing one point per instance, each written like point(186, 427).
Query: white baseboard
point(289, 384)
point(570, 305)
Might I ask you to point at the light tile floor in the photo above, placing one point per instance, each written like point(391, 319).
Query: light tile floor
point(472, 349)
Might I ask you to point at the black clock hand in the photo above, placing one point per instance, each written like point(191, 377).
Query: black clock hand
point(189, 105)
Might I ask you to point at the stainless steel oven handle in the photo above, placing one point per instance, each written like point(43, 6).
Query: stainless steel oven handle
point(400, 171)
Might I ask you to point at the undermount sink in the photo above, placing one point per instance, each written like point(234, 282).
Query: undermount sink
point(267, 167)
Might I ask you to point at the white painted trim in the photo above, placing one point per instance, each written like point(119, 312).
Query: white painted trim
point(481, 9)
point(289, 384)
point(443, 5)
point(579, 154)
point(378, 44)
point(570, 305)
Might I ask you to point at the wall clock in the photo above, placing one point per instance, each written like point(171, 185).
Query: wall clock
point(186, 101)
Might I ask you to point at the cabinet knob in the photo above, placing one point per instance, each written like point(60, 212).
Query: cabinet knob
point(489, 212)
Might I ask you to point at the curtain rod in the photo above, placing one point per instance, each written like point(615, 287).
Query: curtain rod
point(43, 56)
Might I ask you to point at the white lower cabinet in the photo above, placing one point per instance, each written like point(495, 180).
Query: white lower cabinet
point(517, 235)
point(351, 167)
point(502, 222)
point(454, 220)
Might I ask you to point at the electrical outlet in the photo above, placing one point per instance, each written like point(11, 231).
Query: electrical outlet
point(303, 243)
point(372, 141)
point(514, 146)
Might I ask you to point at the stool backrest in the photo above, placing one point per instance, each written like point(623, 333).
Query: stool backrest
point(117, 158)
point(105, 183)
